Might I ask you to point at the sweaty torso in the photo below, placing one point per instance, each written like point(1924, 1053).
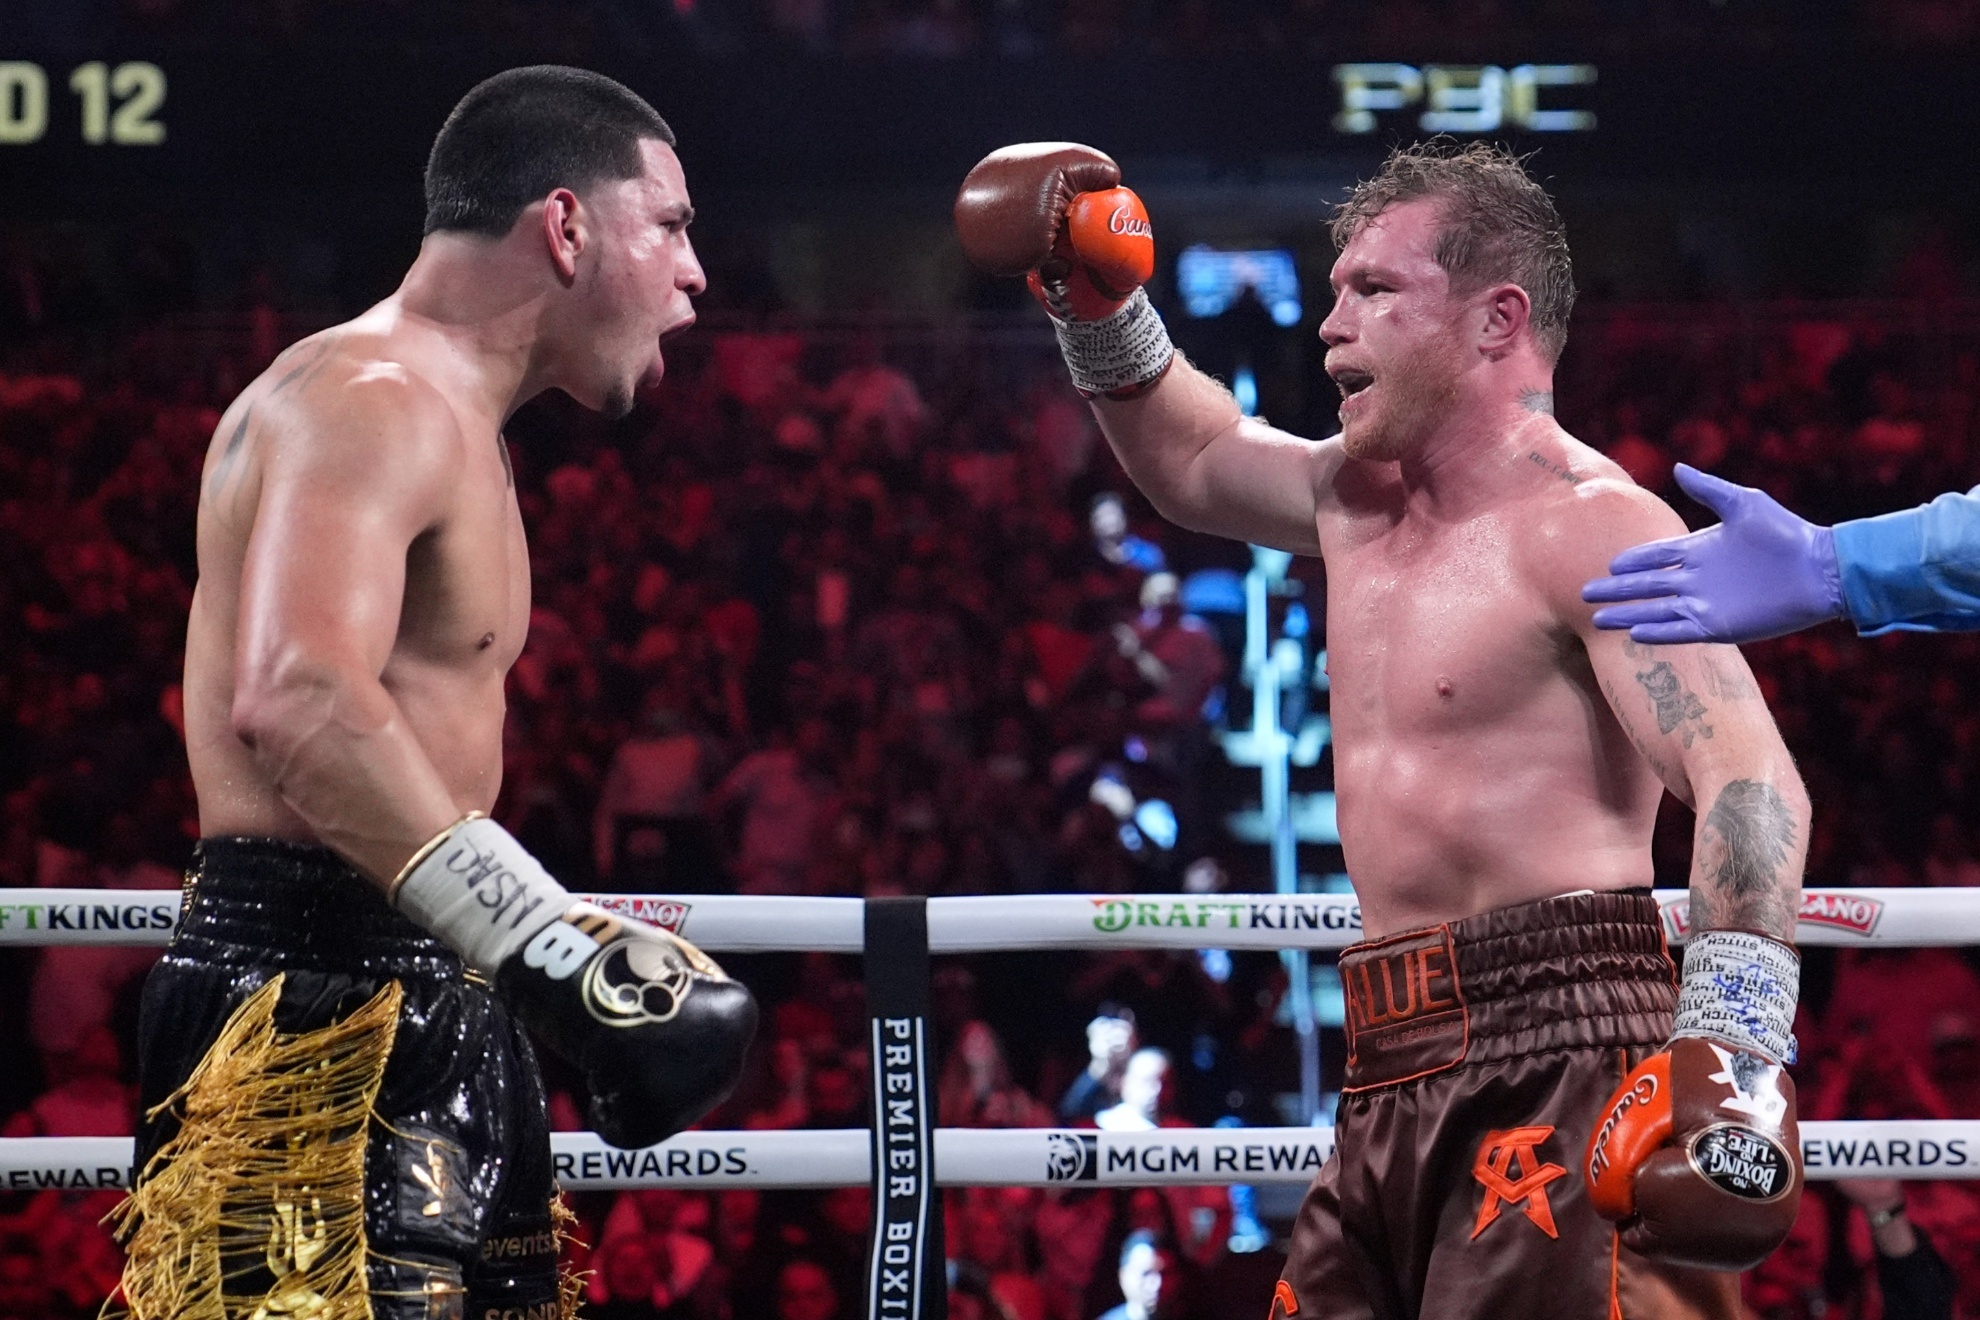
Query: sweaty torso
point(1476, 762)
point(464, 608)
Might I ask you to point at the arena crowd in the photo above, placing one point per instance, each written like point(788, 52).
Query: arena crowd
point(826, 616)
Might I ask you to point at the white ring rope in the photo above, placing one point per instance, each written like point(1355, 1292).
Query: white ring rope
point(1016, 1157)
point(1031, 1157)
point(745, 923)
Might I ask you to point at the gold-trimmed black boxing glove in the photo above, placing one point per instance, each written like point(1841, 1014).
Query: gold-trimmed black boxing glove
point(1697, 1155)
point(657, 1027)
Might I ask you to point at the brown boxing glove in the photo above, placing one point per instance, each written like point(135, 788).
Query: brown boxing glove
point(1012, 207)
point(1697, 1154)
point(1055, 213)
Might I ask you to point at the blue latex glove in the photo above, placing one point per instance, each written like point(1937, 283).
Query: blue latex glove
point(1762, 572)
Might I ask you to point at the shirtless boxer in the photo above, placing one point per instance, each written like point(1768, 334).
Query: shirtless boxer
point(351, 1114)
point(1515, 1072)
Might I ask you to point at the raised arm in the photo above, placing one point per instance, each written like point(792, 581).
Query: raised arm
point(1207, 467)
point(1055, 213)
point(351, 475)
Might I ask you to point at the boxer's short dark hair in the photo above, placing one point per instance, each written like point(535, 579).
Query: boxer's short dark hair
point(1499, 225)
point(516, 136)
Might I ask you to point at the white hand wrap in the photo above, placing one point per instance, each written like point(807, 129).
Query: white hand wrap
point(481, 892)
point(1740, 988)
point(1127, 349)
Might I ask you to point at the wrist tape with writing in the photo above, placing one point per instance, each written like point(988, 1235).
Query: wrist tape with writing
point(1120, 352)
point(480, 891)
point(1740, 988)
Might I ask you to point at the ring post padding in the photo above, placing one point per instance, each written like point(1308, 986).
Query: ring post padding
point(1911, 1151)
point(733, 923)
point(907, 1275)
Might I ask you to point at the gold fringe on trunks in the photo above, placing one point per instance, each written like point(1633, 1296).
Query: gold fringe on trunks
point(571, 1281)
point(266, 1173)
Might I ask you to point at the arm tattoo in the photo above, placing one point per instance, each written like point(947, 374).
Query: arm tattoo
point(1743, 845)
point(1678, 708)
point(1643, 749)
point(1727, 682)
point(1540, 401)
point(310, 360)
point(230, 455)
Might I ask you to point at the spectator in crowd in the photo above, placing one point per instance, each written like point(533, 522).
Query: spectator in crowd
point(1955, 1065)
point(782, 792)
point(1912, 1277)
point(1146, 1095)
point(88, 1098)
point(76, 1254)
point(670, 1265)
point(650, 832)
point(24, 1288)
point(1893, 995)
point(1110, 1041)
point(1950, 861)
point(627, 1282)
point(1145, 1267)
point(787, 1103)
point(1180, 658)
point(976, 1088)
point(805, 1292)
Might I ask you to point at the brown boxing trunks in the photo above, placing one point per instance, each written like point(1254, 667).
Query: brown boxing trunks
point(1479, 1056)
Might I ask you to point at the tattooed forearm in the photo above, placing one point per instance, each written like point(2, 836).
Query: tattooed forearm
point(1744, 871)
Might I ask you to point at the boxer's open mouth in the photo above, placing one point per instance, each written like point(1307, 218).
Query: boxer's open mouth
point(676, 331)
point(1351, 381)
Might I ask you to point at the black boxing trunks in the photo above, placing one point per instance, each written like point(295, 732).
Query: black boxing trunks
point(342, 1116)
point(1480, 1055)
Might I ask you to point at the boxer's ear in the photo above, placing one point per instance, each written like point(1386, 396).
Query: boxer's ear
point(565, 231)
point(1505, 316)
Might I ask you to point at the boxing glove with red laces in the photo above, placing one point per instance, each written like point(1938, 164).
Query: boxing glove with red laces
point(1697, 1155)
point(1055, 213)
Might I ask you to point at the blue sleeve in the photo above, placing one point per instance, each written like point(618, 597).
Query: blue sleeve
point(1914, 571)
